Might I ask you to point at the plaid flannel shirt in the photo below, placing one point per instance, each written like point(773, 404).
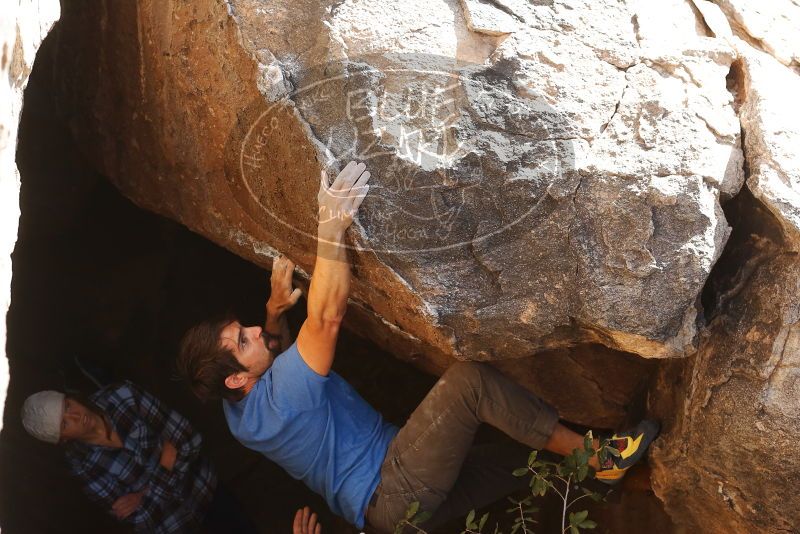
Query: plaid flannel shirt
point(173, 501)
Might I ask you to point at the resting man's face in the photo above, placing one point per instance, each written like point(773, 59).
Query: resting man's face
point(249, 347)
point(78, 422)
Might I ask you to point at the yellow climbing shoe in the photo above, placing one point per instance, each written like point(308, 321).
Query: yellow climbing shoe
point(627, 448)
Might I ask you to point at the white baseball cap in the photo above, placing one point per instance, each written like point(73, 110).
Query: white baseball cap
point(41, 415)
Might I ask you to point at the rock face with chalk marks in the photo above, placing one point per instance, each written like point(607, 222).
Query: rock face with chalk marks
point(543, 174)
point(548, 187)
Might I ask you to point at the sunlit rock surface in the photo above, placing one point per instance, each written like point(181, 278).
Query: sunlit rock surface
point(727, 461)
point(23, 26)
point(769, 26)
point(770, 119)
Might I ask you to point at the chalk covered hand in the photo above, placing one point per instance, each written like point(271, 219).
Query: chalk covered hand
point(339, 201)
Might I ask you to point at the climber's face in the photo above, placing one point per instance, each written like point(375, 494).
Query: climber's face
point(249, 346)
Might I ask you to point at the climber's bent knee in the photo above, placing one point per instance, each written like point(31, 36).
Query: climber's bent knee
point(470, 373)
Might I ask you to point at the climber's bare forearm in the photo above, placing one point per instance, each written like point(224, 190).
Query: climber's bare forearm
point(330, 283)
point(278, 328)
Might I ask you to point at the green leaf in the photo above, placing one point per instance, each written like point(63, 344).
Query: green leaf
point(578, 517)
point(471, 517)
point(582, 472)
point(574, 530)
point(570, 462)
point(515, 528)
point(588, 524)
point(422, 517)
point(539, 487)
point(412, 509)
point(520, 472)
point(483, 521)
point(596, 497)
point(532, 456)
point(613, 451)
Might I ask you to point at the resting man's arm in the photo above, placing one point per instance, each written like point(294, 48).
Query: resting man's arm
point(330, 283)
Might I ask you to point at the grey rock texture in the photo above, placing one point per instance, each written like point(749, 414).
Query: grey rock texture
point(23, 27)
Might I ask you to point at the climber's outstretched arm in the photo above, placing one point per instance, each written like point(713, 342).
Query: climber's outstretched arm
point(330, 282)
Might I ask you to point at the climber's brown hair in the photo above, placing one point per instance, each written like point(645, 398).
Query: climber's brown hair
point(205, 363)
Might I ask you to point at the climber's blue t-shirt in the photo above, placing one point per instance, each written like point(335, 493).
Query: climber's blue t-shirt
point(318, 429)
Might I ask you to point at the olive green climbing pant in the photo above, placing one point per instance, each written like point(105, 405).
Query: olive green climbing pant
point(433, 461)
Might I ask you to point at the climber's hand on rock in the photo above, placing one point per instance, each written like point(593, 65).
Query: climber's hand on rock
point(281, 295)
point(339, 201)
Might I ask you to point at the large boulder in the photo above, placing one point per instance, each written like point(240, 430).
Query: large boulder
point(544, 173)
point(23, 27)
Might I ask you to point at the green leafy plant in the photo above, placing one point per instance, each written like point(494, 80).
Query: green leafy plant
point(562, 478)
point(413, 517)
point(523, 511)
point(471, 527)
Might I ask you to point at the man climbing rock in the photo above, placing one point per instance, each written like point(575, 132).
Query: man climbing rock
point(283, 400)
